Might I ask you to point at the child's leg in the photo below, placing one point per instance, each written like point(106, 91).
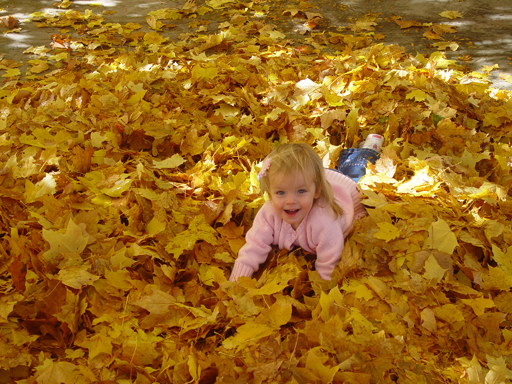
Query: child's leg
point(353, 161)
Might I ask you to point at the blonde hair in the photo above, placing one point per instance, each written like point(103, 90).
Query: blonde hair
point(298, 157)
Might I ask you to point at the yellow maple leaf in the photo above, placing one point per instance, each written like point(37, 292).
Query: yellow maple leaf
point(449, 313)
point(218, 4)
point(5, 310)
point(479, 304)
point(38, 66)
point(442, 45)
point(157, 302)
point(154, 23)
point(140, 348)
point(119, 260)
point(76, 277)
point(248, 334)
point(153, 38)
point(352, 124)
point(498, 372)
point(404, 24)
point(155, 226)
point(506, 77)
point(136, 98)
point(431, 35)
point(496, 278)
point(473, 369)
point(119, 279)
point(357, 316)
point(74, 240)
point(72, 310)
point(198, 229)
point(39, 138)
point(378, 286)
point(441, 237)
point(46, 186)
point(13, 72)
point(278, 314)
point(360, 289)
point(363, 25)
point(120, 186)
point(204, 73)
point(58, 372)
point(387, 232)
point(444, 28)
point(440, 59)
point(315, 362)
point(22, 336)
point(433, 271)
point(209, 274)
point(326, 302)
point(417, 95)
point(507, 335)
point(451, 14)
point(231, 231)
point(211, 41)
point(97, 344)
point(277, 280)
point(428, 320)
point(470, 159)
point(503, 259)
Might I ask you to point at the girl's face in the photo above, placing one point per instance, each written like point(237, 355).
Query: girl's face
point(293, 196)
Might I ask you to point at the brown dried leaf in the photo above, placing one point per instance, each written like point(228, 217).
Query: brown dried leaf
point(9, 22)
point(82, 159)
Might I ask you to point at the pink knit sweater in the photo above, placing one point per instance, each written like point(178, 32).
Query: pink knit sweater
point(320, 232)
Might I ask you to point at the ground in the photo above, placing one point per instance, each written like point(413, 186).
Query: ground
point(482, 33)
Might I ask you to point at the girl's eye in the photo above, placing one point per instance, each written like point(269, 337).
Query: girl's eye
point(302, 191)
point(280, 193)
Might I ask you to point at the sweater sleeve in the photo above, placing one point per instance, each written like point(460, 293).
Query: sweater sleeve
point(327, 234)
point(348, 196)
point(258, 244)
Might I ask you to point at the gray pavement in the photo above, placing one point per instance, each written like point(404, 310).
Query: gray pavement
point(482, 35)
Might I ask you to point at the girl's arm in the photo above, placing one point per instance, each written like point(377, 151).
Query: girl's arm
point(329, 239)
point(258, 244)
point(327, 261)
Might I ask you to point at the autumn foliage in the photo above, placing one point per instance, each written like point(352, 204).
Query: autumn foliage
point(128, 180)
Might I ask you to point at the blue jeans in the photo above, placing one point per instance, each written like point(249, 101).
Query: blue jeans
point(353, 161)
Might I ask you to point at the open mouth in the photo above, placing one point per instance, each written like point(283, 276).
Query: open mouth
point(291, 212)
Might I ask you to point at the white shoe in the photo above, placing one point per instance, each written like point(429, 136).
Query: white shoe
point(373, 141)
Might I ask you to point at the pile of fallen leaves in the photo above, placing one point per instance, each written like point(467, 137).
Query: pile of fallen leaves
point(128, 181)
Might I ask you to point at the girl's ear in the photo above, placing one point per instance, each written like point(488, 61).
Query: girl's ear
point(318, 192)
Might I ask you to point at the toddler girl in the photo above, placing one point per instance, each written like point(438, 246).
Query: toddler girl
point(309, 206)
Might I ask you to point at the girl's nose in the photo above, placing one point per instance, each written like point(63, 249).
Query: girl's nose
point(290, 199)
